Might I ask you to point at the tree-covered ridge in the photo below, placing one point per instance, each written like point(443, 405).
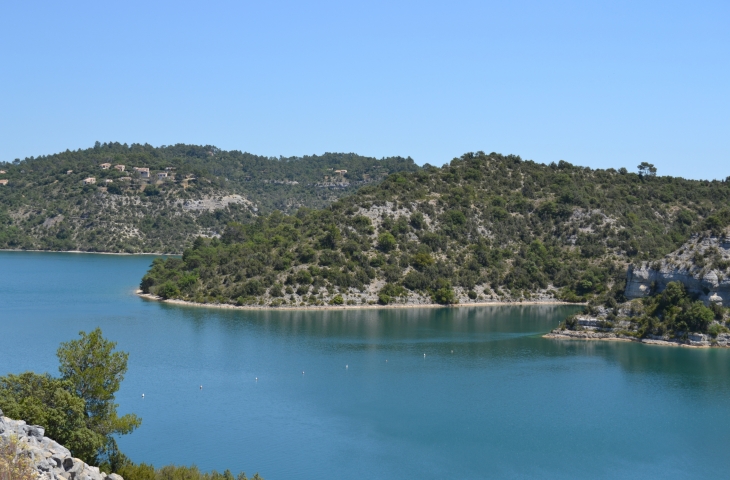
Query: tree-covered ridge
point(485, 227)
point(46, 204)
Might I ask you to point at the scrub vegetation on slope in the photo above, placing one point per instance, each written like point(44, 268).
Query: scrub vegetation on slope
point(139, 198)
point(484, 227)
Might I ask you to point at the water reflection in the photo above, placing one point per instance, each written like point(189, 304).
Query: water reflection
point(378, 324)
point(497, 332)
point(507, 402)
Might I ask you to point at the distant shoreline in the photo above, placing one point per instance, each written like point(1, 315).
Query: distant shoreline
point(83, 251)
point(591, 336)
point(149, 296)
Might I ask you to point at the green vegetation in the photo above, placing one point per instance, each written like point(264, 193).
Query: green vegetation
point(173, 472)
point(78, 411)
point(46, 205)
point(487, 226)
point(673, 313)
point(15, 464)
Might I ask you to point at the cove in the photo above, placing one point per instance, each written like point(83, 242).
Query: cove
point(350, 394)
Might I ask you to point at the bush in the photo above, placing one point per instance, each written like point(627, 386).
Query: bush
point(422, 260)
point(275, 290)
point(445, 296)
point(15, 464)
point(168, 290)
point(151, 191)
point(715, 329)
point(386, 242)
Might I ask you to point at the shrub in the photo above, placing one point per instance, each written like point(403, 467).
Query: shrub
point(422, 260)
point(275, 290)
point(445, 296)
point(338, 300)
point(168, 290)
point(386, 242)
point(15, 464)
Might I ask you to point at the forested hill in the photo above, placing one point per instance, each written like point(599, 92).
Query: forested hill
point(81, 200)
point(485, 227)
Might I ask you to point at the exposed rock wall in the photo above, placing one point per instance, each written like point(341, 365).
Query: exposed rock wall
point(700, 264)
point(51, 460)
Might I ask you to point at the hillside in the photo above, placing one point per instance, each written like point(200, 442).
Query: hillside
point(181, 191)
point(680, 299)
point(701, 265)
point(487, 227)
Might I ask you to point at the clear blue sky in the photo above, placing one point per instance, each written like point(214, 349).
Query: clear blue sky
point(595, 83)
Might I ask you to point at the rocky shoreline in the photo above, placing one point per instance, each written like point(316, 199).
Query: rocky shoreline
point(596, 328)
point(50, 460)
point(698, 340)
point(157, 298)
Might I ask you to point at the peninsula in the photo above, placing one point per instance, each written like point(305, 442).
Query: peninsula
point(484, 228)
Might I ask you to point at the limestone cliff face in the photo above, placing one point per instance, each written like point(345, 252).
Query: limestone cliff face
point(702, 265)
point(51, 460)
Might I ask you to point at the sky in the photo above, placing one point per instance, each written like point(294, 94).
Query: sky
point(599, 83)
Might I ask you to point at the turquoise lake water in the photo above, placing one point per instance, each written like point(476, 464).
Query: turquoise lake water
point(505, 403)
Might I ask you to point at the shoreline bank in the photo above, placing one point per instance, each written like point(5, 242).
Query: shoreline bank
point(149, 296)
point(613, 337)
point(90, 253)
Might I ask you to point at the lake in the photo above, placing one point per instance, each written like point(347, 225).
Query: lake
point(465, 393)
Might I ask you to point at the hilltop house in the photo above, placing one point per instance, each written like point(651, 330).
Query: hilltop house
point(105, 166)
point(89, 180)
point(4, 181)
point(119, 167)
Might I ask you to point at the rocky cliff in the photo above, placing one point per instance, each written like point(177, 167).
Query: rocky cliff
point(51, 460)
point(701, 265)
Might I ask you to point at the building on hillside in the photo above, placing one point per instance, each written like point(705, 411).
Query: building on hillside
point(169, 169)
point(341, 172)
point(105, 166)
point(89, 180)
point(4, 181)
point(143, 172)
point(161, 175)
point(119, 167)
point(3, 171)
point(69, 172)
point(108, 181)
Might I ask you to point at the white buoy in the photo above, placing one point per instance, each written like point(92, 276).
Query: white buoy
point(257, 379)
point(201, 387)
point(143, 395)
point(302, 372)
point(452, 351)
point(346, 367)
point(424, 355)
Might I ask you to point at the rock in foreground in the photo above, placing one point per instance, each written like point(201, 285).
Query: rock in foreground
point(51, 460)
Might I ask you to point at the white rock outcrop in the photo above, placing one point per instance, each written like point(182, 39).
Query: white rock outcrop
point(51, 460)
point(700, 264)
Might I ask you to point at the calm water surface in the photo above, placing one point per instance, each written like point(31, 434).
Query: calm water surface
point(505, 403)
